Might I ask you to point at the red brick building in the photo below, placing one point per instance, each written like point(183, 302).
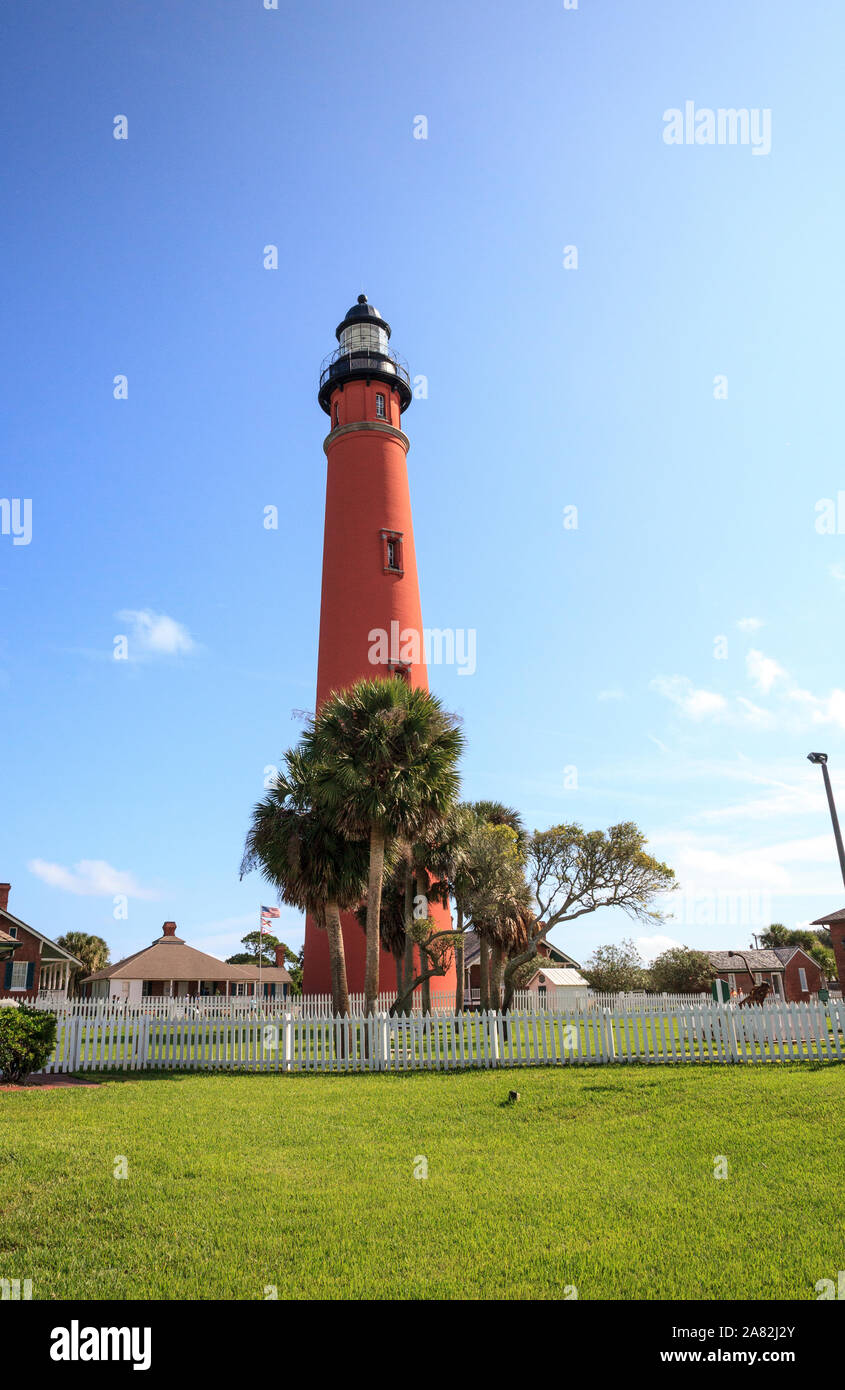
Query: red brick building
point(30, 963)
point(793, 975)
point(835, 923)
point(803, 977)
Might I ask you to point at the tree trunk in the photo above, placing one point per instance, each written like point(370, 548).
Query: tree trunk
point(337, 957)
point(484, 973)
point(496, 966)
point(371, 980)
point(514, 964)
point(459, 962)
point(425, 965)
point(399, 962)
point(409, 941)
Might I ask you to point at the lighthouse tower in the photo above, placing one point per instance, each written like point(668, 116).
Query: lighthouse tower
point(369, 565)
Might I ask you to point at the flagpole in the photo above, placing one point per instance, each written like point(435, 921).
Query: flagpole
point(260, 948)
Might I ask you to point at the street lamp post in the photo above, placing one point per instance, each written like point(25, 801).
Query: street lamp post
point(821, 759)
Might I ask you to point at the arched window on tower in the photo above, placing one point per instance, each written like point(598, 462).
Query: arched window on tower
point(380, 415)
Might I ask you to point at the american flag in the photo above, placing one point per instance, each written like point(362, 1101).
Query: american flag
point(267, 913)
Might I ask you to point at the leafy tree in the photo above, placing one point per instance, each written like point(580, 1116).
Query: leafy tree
point(681, 971)
point(91, 950)
point(386, 759)
point(573, 872)
point(295, 962)
point(250, 957)
point(615, 968)
point(818, 944)
point(261, 950)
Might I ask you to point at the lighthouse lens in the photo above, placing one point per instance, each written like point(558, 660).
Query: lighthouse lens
point(363, 337)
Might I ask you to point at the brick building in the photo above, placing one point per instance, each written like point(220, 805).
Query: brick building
point(30, 963)
point(835, 923)
point(793, 975)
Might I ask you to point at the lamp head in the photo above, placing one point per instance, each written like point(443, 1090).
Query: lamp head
point(817, 757)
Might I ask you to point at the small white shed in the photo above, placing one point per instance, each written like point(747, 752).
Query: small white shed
point(560, 987)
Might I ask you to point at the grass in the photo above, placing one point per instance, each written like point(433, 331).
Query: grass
point(599, 1179)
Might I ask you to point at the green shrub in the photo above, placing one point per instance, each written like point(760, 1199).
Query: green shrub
point(27, 1039)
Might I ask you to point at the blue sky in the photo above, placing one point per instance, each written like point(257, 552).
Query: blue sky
point(548, 388)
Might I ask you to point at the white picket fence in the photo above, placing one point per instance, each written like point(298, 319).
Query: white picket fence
point(646, 1003)
point(319, 1006)
point(245, 1006)
point(695, 1034)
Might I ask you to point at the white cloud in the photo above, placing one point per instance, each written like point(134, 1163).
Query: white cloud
point(762, 670)
point(90, 878)
point(749, 624)
point(155, 634)
point(795, 710)
point(650, 947)
point(713, 865)
point(755, 714)
point(827, 709)
point(694, 703)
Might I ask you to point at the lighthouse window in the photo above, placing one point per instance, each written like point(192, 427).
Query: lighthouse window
point(380, 405)
point(392, 541)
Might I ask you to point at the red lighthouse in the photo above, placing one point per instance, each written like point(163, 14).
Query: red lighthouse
point(370, 616)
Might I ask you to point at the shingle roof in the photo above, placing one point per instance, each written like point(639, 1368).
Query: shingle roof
point(269, 973)
point(785, 953)
point(757, 960)
point(7, 916)
point(169, 958)
point(831, 917)
point(472, 950)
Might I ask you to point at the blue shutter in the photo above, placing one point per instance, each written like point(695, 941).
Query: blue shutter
point(30, 973)
point(7, 983)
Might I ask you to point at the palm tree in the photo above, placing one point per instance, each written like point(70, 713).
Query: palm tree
point(496, 813)
point(387, 757)
point(91, 950)
point(441, 859)
point(392, 918)
point(310, 863)
point(498, 901)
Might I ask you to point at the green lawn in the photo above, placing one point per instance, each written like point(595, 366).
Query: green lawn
point(602, 1179)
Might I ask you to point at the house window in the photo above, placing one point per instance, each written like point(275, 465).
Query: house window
point(380, 406)
point(13, 931)
point(802, 980)
point(19, 974)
